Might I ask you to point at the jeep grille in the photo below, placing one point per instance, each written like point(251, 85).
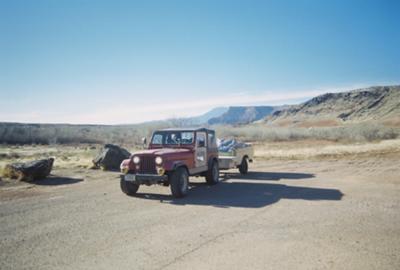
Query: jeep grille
point(147, 165)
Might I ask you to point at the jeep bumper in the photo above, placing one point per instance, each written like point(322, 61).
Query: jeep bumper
point(147, 179)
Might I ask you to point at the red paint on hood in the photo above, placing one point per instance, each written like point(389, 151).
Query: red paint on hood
point(162, 151)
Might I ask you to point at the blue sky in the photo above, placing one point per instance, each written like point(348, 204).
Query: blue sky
point(132, 61)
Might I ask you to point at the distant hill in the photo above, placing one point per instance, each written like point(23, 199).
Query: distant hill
point(380, 104)
point(242, 115)
point(204, 118)
point(373, 103)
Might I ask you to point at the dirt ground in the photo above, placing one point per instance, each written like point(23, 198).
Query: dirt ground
point(285, 214)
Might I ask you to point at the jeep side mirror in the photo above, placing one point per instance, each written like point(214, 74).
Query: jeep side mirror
point(144, 142)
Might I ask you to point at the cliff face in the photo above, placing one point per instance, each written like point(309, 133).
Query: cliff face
point(242, 115)
point(372, 103)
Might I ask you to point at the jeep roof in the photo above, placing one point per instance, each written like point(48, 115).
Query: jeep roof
point(187, 129)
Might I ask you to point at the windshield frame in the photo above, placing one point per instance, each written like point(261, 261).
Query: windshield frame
point(165, 137)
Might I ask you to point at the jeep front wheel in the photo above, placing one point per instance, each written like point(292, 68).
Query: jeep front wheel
point(212, 176)
point(129, 188)
point(179, 182)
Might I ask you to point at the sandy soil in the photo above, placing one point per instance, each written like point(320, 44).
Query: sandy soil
point(287, 214)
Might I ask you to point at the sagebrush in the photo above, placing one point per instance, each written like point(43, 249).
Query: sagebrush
point(13, 133)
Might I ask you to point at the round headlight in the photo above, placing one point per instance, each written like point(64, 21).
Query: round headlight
point(158, 160)
point(136, 160)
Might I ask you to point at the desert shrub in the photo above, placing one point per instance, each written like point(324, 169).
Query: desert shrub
point(15, 133)
point(131, 135)
point(9, 172)
point(352, 133)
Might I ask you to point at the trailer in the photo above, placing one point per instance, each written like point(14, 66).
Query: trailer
point(236, 158)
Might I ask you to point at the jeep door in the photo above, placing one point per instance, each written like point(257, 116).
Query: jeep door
point(201, 150)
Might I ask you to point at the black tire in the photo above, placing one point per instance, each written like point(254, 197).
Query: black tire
point(244, 166)
point(179, 181)
point(212, 176)
point(129, 188)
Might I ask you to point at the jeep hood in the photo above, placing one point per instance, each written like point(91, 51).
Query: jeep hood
point(162, 151)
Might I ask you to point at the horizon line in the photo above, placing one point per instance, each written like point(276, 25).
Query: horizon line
point(274, 100)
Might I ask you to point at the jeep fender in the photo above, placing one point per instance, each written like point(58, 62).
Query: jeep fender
point(178, 164)
point(170, 165)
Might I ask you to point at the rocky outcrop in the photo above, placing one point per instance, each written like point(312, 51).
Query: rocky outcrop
point(242, 115)
point(30, 171)
point(110, 157)
point(373, 103)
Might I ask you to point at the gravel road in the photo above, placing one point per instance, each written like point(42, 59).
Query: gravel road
point(331, 214)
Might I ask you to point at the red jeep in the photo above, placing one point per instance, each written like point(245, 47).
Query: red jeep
point(172, 156)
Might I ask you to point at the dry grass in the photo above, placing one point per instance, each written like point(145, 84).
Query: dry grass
point(361, 132)
point(66, 156)
point(8, 172)
point(392, 122)
point(307, 123)
point(319, 123)
point(324, 149)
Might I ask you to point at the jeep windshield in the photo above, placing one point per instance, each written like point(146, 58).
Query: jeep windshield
point(173, 138)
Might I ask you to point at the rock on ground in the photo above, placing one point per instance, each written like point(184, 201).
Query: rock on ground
point(30, 171)
point(111, 157)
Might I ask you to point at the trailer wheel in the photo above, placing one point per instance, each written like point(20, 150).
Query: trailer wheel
point(212, 176)
point(165, 184)
point(244, 166)
point(129, 188)
point(179, 182)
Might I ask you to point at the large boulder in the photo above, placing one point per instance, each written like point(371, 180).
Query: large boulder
point(29, 171)
point(110, 157)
